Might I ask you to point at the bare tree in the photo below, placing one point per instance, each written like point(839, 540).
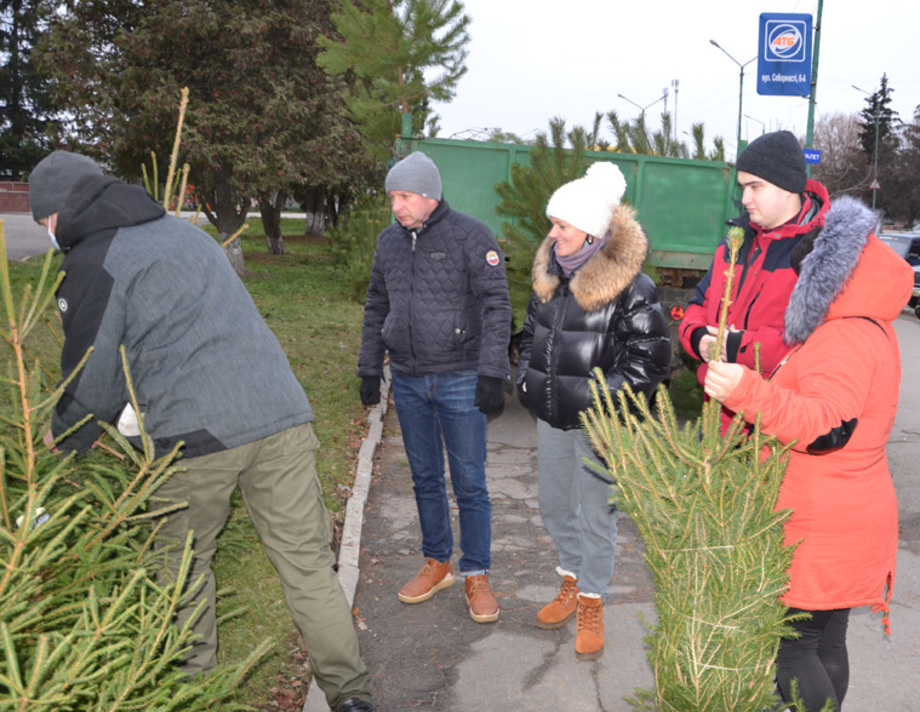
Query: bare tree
point(844, 168)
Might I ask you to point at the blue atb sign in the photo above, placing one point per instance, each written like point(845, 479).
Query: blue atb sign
point(784, 54)
point(812, 155)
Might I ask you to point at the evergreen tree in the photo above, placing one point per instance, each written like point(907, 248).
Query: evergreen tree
point(400, 56)
point(634, 137)
point(27, 115)
point(878, 112)
point(880, 143)
point(704, 504)
point(554, 160)
point(904, 196)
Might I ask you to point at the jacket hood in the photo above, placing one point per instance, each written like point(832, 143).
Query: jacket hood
point(100, 203)
point(607, 274)
point(849, 273)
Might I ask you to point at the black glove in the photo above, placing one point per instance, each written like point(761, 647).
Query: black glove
point(370, 390)
point(490, 395)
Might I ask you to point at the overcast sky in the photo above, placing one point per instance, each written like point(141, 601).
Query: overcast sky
point(530, 60)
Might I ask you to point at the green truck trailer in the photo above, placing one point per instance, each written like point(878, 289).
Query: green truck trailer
point(681, 203)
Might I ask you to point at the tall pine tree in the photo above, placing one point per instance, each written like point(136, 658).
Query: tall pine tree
point(399, 57)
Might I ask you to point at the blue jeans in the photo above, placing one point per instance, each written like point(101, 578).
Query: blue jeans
point(437, 412)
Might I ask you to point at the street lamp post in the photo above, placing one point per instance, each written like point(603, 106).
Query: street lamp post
point(740, 87)
point(643, 108)
point(877, 102)
point(676, 84)
point(763, 126)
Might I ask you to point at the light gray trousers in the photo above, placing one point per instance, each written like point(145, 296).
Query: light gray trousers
point(574, 504)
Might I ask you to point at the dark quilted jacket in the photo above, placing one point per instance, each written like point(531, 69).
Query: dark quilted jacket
point(437, 300)
point(606, 315)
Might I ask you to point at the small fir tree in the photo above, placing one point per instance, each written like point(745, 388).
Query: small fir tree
point(704, 503)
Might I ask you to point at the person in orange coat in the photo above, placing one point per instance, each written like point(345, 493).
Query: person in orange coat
point(836, 395)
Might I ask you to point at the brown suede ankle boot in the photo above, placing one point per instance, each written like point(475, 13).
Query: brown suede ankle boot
point(558, 612)
point(483, 605)
point(432, 578)
point(589, 641)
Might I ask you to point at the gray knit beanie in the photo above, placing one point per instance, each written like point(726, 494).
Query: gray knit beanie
point(52, 179)
point(777, 158)
point(416, 173)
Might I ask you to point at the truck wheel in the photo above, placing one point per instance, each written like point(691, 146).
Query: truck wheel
point(917, 310)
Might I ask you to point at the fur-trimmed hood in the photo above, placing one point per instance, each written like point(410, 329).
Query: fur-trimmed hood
point(848, 273)
point(607, 274)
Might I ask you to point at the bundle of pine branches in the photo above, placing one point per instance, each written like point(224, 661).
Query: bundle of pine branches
point(704, 504)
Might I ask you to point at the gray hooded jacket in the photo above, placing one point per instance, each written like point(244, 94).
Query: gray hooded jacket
point(206, 368)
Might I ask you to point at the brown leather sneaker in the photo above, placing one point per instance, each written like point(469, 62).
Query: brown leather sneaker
point(433, 576)
point(483, 606)
point(558, 612)
point(589, 641)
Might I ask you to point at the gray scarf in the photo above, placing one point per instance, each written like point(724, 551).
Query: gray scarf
point(573, 262)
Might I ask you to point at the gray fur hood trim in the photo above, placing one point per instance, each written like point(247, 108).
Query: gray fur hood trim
point(827, 269)
point(607, 274)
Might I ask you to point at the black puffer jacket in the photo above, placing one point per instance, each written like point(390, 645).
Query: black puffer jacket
point(437, 300)
point(606, 315)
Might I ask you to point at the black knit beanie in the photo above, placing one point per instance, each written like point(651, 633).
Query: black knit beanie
point(777, 158)
point(53, 178)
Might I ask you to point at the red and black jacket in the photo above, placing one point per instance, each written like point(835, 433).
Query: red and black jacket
point(763, 281)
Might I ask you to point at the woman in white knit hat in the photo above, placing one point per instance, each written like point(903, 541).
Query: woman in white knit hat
point(592, 306)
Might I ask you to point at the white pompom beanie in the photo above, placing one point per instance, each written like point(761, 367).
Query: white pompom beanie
point(588, 203)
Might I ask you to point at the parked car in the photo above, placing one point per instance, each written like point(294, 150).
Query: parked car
point(907, 245)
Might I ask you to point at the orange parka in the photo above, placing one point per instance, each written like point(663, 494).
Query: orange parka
point(836, 395)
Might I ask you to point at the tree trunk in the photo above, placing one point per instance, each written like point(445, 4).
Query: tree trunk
point(226, 210)
point(314, 206)
point(234, 252)
point(270, 205)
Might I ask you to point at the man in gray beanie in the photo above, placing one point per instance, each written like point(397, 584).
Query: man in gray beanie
point(212, 384)
point(51, 181)
point(785, 211)
point(54, 177)
point(438, 303)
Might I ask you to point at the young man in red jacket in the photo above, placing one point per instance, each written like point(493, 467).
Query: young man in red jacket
point(783, 208)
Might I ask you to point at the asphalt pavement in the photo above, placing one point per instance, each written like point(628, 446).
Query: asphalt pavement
point(25, 238)
point(431, 657)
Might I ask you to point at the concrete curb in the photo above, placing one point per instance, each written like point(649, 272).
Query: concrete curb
point(350, 546)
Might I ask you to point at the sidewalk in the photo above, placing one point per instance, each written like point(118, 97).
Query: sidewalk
point(431, 657)
point(25, 238)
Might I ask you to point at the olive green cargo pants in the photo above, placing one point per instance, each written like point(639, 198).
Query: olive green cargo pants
point(277, 477)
